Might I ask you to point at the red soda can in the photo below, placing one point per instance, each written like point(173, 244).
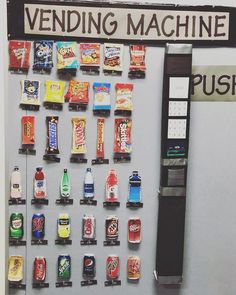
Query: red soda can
point(113, 267)
point(39, 269)
point(134, 230)
point(112, 227)
point(89, 227)
point(133, 268)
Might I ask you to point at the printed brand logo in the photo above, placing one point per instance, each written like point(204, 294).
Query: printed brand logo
point(52, 135)
point(40, 269)
point(64, 266)
point(112, 265)
point(111, 52)
point(123, 135)
point(79, 132)
point(101, 89)
point(19, 52)
point(112, 228)
point(66, 52)
point(27, 129)
point(134, 228)
point(38, 224)
point(17, 223)
point(88, 262)
point(88, 226)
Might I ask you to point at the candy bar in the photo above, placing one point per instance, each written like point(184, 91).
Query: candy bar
point(78, 136)
point(52, 135)
point(122, 145)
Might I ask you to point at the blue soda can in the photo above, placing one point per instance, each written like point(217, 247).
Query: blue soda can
point(89, 266)
point(38, 226)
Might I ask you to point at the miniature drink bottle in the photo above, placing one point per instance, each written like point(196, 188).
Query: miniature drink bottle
point(16, 187)
point(112, 187)
point(88, 185)
point(39, 184)
point(65, 185)
point(134, 187)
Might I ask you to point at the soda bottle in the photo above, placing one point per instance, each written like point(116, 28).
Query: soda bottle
point(16, 230)
point(112, 186)
point(39, 184)
point(65, 185)
point(16, 187)
point(88, 185)
point(134, 187)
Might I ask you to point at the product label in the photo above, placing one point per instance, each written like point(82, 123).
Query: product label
point(52, 135)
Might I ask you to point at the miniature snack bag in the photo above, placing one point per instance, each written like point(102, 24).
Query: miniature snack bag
point(30, 92)
point(52, 135)
point(19, 52)
point(90, 57)
point(66, 57)
point(102, 103)
point(113, 58)
point(124, 103)
point(78, 92)
point(54, 92)
point(123, 136)
point(137, 61)
point(78, 136)
point(133, 268)
point(43, 51)
point(15, 268)
point(28, 130)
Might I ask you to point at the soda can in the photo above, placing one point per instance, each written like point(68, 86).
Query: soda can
point(38, 226)
point(15, 268)
point(39, 269)
point(89, 266)
point(64, 267)
point(89, 227)
point(113, 267)
point(16, 229)
point(134, 230)
point(133, 268)
point(63, 226)
point(112, 227)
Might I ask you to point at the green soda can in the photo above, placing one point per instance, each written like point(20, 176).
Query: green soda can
point(16, 230)
point(64, 267)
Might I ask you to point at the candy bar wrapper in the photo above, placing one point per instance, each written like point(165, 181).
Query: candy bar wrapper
point(78, 92)
point(113, 57)
point(28, 130)
point(43, 55)
point(123, 97)
point(52, 135)
point(30, 92)
point(78, 136)
point(15, 268)
point(102, 96)
point(66, 55)
point(100, 138)
point(19, 52)
point(90, 54)
point(54, 91)
point(123, 136)
point(137, 58)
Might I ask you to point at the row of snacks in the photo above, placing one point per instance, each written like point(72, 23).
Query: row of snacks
point(64, 268)
point(77, 95)
point(16, 230)
point(68, 61)
point(122, 141)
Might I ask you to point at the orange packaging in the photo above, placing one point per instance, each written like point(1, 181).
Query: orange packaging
point(100, 138)
point(28, 130)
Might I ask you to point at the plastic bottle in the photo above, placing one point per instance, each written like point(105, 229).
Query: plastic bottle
point(112, 186)
point(65, 185)
point(16, 186)
point(39, 184)
point(88, 185)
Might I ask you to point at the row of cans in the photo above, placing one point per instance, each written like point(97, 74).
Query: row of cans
point(16, 230)
point(16, 266)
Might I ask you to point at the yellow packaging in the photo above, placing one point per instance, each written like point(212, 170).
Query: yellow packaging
point(54, 91)
point(78, 136)
point(63, 226)
point(15, 268)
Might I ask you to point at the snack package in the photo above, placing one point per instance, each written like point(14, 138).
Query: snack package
point(52, 135)
point(123, 136)
point(113, 58)
point(19, 52)
point(30, 92)
point(43, 55)
point(54, 92)
point(100, 138)
point(78, 92)
point(102, 99)
point(28, 130)
point(124, 103)
point(67, 56)
point(78, 136)
point(137, 61)
point(90, 57)
point(15, 268)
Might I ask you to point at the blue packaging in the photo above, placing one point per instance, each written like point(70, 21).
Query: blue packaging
point(43, 55)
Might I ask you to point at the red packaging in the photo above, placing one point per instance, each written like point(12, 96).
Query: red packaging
point(19, 52)
point(133, 268)
point(123, 136)
point(39, 269)
point(113, 267)
point(100, 138)
point(28, 130)
point(134, 230)
point(89, 227)
point(78, 92)
point(112, 187)
point(137, 57)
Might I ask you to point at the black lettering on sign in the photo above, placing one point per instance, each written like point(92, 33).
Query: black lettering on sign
point(205, 26)
point(213, 83)
point(153, 25)
point(193, 26)
point(184, 24)
point(233, 84)
point(44, 19)
point(69, 17)
point(221, 82)
point(30, 21)
point(139, 29)
point(96, 23)
point(219, 25)
point(196, 80)
point(163, 26)
point(83, 22)
point(112, 24)
point(59, 20)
